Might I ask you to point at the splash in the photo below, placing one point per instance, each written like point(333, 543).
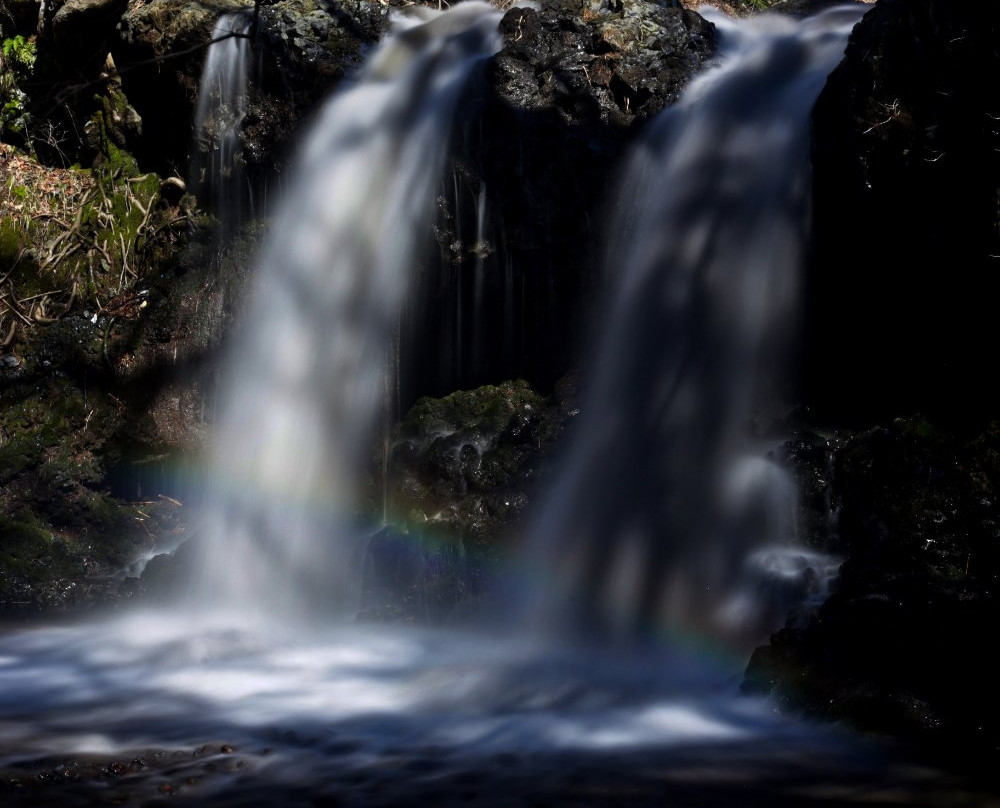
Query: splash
point(307, 380)
point(667, 494)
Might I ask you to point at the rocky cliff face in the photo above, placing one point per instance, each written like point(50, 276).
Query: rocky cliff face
point(539, 145)
point(901, 644)
point(106, 376)
point(907, 235)
point(903, 288)
point(302, 48)
point(129, 346)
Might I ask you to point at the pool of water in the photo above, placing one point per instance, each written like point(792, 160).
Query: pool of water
point(146, 708)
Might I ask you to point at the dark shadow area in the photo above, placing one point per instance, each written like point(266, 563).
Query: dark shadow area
point(906, 266)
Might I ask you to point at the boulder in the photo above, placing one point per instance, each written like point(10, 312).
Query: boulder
point(81, 34)
point(19, 16)
point(463, 465)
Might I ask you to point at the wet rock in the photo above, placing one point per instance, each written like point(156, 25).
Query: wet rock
point(461, 472)
point(537, 154)
point(610, 61)
point(165, 575)
point(160, 49)
point(465, 459)
point(899, 646)
point(302, 48)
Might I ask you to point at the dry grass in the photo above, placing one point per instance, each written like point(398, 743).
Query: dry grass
point(71, 239)
point(55, 193)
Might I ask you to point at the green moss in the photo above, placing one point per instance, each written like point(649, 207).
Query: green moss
point(31, 557)
point(15, 239)
point(20, 541)
point(10, 242)
point(487, 409)
point(15, 457)
point(40, 427)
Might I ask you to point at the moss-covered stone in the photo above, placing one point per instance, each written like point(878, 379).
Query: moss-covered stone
point(41, 569)
point(76, 245)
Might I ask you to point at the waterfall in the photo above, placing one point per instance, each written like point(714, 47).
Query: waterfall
point(306, 381)
point(666, 495)
point(662, 499)
point(222, 106)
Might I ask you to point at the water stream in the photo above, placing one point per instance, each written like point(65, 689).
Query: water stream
point(305, 386)
point(217, 167)
point(237, 699)
point(668, 501)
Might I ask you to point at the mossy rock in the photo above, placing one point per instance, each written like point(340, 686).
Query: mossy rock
point(488, 410)
point(463, 465)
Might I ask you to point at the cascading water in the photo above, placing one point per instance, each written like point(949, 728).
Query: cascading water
point(665, 496)
point(219, 115)
point(305, 386)
point(109, 712)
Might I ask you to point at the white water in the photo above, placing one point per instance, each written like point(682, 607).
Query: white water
point(401, 716)
point(374, 715)
point(666, 498)
point(219, 115)
point(306, 383)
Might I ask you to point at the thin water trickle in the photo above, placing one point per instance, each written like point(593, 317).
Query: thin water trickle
point(216, 168)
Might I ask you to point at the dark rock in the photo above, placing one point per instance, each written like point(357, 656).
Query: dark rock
point(166, 574)
point(23, 13)
point(901, 645)
point(464, 461)
point(461, 472)
point(907, 235)
point(302, 48)
point(160, 50)
point(74, 101)
point(82, 32)
point(537, 149)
